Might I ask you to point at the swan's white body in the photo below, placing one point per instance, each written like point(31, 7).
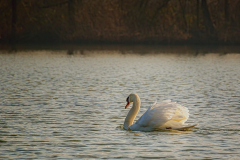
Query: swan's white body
point(164, 115)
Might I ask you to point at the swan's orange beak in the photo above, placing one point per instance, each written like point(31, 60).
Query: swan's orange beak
point(127, 104)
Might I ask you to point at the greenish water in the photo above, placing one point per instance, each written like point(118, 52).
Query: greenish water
point(69, 104)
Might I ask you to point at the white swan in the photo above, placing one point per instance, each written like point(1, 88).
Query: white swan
point(164, 115)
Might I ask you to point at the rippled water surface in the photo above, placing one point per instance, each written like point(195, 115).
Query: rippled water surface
point(69, 104)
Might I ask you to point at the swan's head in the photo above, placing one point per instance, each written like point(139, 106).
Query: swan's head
point(130, 99)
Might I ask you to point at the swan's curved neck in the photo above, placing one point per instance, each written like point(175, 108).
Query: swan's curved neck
point(132, 113)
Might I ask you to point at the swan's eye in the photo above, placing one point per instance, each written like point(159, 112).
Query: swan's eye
point(127, 99)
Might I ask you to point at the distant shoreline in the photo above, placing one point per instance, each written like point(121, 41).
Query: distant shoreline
point(123, 48)
point(120, 22)
point(117, 42)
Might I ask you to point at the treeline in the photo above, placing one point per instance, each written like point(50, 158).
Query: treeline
point(120, 21)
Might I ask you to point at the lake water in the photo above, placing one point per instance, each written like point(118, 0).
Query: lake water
point(60, 103)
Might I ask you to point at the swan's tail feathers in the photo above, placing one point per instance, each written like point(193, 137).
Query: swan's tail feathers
point(187, 127)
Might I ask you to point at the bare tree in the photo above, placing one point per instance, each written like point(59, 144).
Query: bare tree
point(14, 21)
point(206, 17)
point(71, 12)
point(197, 14)
point(226, 10)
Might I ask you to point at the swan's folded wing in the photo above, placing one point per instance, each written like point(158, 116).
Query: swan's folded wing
point(157, 115)
point(162, 113)
point(181, 114)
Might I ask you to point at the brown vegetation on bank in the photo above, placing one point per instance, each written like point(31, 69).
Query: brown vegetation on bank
point(121, 21)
